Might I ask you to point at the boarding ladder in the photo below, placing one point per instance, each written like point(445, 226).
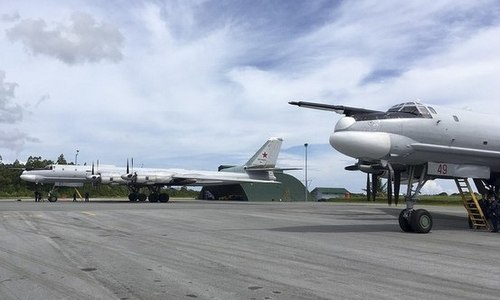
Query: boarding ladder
point(476, 215)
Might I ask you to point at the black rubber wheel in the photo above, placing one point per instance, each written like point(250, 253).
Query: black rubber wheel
point(403, 222)
point(421, 221)
point(142, 197)
point(164, 197)
point(132, 197)
point(153, 197)
point(52, 199)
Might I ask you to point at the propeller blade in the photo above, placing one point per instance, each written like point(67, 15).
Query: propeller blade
point(374, 186)
point(390, 176)
point(389, 188)
point(368, 187)
point(352, 168)
point(397, 186)
point(128, 171)
point(93, 168)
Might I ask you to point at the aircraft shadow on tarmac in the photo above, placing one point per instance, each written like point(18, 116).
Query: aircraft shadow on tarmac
point(340, 228)
point(441, 222)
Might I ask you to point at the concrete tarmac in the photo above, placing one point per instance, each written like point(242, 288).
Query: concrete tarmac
point(238, 250)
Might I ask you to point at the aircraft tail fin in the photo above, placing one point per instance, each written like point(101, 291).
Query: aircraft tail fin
point(267, 155)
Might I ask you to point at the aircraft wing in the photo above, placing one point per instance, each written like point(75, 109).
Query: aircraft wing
point(340, 109)
point(202, 179)
point(176, 178)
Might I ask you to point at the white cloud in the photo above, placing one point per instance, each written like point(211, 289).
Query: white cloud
point(10, 17)
point(9, 112)
point(434, 187)
point(81, 40)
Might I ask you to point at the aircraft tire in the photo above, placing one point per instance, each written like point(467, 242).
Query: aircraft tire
point(403, 222)
point(142, 197)
point(132, 197)
point(52, 199)
point(164, 197)
point(421, 221)
point(153, 198)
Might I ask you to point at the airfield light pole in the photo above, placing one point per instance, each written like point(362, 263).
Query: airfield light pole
point(305, 173)
point(76, 157)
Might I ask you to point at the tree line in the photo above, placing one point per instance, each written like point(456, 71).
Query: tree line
point(11, 185)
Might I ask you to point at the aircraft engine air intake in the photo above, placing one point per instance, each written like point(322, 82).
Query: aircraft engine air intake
point(360, 144)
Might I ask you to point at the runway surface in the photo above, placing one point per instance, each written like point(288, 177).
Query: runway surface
point(221, 250)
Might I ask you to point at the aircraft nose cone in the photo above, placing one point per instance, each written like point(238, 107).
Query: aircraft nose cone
point(358, 144)
point(28, 177)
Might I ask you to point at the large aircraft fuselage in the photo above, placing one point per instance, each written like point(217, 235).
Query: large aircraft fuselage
point(448, 136)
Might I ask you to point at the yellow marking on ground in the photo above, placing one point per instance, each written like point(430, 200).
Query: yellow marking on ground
point(89, 213)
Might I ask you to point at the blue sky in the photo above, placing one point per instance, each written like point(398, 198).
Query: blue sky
point(195, 84)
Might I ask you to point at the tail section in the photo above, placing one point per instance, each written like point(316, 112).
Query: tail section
point(267, 155)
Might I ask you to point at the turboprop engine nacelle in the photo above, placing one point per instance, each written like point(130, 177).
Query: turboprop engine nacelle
point(93, 177)
point(153, 179)
point(111, 179)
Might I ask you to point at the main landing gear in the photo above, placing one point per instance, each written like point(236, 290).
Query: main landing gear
point(410, 220)
point(154, 196)
point(52, 196)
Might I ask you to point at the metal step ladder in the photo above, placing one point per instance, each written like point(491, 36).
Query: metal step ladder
point(471, 204)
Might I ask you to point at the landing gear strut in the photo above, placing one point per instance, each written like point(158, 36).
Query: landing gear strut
point(154, 195)
point(410, 220)
point(52, 196)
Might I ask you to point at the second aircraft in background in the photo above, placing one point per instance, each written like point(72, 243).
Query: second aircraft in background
point(258, 169)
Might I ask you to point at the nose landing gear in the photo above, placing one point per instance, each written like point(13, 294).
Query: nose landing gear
point(411, 220)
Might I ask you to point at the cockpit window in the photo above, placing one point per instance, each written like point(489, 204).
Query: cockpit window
point(399, 111)
point(395, 108)
point(410, 109)
point(424, 111)
point(414, 108)
point(432, 109)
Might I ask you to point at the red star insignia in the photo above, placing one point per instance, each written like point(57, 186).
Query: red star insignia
point(264, 155)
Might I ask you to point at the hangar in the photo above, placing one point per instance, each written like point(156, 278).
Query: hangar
point(289, 189)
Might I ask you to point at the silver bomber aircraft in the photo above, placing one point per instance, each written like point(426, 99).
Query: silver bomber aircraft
point(74, 176)
point(418, 142)
point(259, 169)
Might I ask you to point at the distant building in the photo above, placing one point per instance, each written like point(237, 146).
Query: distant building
point(322, 193)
